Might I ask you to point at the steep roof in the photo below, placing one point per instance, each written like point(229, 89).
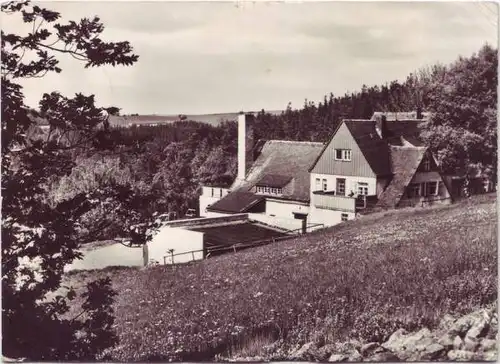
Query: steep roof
point(236, 201)
point(407, 129)
point(289, 160)
point(374, 149)
point(274, 180)
point(404, 164)
point(279, 163)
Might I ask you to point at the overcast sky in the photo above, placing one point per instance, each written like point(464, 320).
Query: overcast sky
point(225, 57)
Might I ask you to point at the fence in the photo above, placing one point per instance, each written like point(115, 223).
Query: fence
point(221, 249)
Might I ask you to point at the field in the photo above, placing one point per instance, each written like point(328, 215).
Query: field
point(361, 279)
point(213, 119)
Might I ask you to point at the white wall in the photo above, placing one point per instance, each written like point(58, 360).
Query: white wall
point(350, 183)
point(204, 202)
point(179, 239)
point(328, 217)
point(280, 208)
point(206, 199)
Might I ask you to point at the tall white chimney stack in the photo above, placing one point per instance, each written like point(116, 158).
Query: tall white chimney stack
point(245, 144)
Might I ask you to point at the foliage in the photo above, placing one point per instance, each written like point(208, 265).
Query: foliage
point(39, 237)
point(166, 163)
point(463, 102)
point(360, 279)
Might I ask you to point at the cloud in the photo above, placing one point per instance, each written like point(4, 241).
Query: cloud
point(218, 56)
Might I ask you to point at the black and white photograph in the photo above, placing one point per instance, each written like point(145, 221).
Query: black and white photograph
point(249, 181)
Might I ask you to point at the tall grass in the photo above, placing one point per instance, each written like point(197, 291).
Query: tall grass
point(362, 279)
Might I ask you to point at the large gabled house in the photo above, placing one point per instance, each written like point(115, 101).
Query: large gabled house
point(373, 163)
point(366, 163)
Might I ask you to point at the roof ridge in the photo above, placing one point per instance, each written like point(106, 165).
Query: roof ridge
point(294, 142)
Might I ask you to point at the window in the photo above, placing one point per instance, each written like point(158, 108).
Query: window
point(426, 165)
point(212, 192)
point(414, 190)
point(362, 188)
point(343, 154)
point(341, 186)
point(431, 188)
point(325, 186)
point(269, 190)
point(318, 184)
point(347, 154)
point(344, 217)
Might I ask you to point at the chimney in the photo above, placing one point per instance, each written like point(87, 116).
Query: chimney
point(419, 113)
point(245, 144)
point(381, 126)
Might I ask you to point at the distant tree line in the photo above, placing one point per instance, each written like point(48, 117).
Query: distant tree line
point(168, 163)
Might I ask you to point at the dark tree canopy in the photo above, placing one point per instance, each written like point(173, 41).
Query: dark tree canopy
point(463, 127)
point(40, 238)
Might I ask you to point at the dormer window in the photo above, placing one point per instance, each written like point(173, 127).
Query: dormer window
point(272, 184)
point(343, 155)
point(265, 190)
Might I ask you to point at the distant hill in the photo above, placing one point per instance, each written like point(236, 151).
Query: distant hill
point(213, 119)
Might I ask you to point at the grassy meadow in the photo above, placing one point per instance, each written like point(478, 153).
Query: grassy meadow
point(362, 279)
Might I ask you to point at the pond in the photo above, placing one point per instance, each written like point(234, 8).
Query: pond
point(115, 254)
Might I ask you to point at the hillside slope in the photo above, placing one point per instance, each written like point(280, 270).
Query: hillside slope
point(362, 279)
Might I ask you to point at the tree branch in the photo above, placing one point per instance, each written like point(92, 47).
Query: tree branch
point(61, 50)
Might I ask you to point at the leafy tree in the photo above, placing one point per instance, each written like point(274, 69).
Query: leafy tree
point(39, 238)
point(463, 127)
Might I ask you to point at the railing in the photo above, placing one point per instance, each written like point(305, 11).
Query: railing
point(308, 227)
point(220, 249)
point(334, 202)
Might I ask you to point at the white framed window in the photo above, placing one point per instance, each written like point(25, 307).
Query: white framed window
point(212, 192)
point(269, 190)
point(343, 154)
point(325, 185)
point(344, 217)
point(363, 188)
point(318, 185)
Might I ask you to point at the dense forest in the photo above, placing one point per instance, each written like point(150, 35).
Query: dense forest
point(168, 163)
